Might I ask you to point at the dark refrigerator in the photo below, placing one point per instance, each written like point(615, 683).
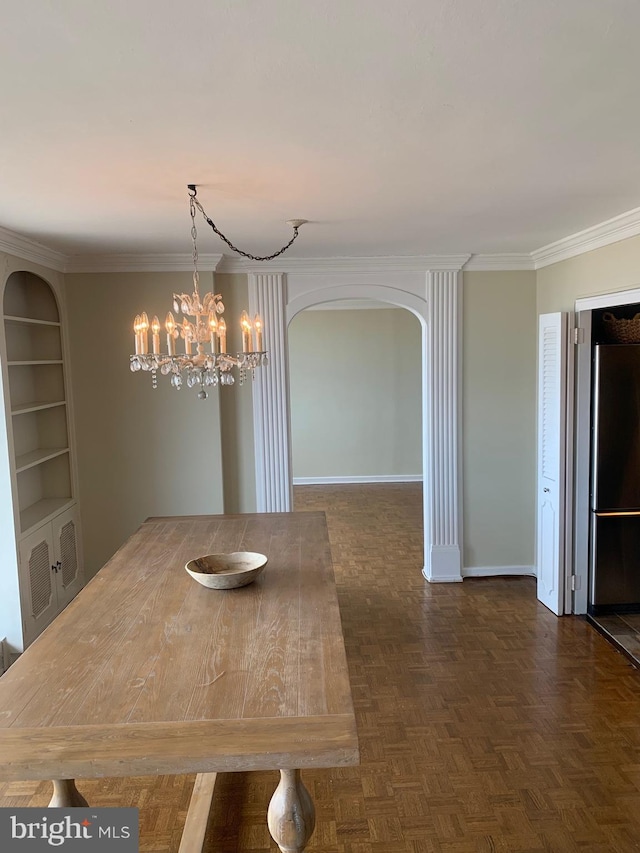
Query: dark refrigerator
point(615, 480)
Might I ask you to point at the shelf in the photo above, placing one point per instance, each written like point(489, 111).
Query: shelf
point(30, 321)
point(50, 480)
point(33, 342)
point(44, 510)
point(41, 382)
point(36, 457)
point(36, 406)
point(29, 296)
point(29, 363)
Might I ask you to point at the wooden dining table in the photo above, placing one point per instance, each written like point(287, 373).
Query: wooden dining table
point(147, 672)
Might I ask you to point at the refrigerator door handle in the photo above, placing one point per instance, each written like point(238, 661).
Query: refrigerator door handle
point(616, 513)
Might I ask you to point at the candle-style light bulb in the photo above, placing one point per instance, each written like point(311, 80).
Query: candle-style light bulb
point(186, 334)
point(213, 331)
point(144, 332)
point(257, 325)
point(222, 334)
point(136, 334)
point(155, 335)
point(170, 326)
point(245, 325)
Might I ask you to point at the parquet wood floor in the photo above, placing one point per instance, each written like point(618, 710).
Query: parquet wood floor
point(486, 724)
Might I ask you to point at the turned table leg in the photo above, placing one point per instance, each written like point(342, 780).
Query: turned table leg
point(66, 795)
point(291, 816)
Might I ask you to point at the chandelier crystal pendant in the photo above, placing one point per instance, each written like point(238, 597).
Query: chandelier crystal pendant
point(210, 364)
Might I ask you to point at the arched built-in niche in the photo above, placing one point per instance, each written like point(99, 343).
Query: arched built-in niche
point(42, 567)
point(434, 297)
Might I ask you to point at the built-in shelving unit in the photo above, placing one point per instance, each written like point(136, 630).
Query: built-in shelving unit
point(37, 399)
point(39, 448)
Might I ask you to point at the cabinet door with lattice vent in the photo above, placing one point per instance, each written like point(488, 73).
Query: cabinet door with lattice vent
point(38, 585)
point(68, 572)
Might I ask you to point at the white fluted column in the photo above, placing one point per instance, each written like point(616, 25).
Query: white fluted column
point(271, 429)
point(441, 396)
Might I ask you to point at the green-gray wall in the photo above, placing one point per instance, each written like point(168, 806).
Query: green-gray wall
point(498, 418)
point(141, 452)
point(611, 268)
point(127, 434)
point(355, 392)
point(236, 411)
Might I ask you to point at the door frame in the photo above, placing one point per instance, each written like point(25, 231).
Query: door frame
point(582, 443)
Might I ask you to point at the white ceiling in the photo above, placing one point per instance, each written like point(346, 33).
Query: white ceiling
point(398, 128)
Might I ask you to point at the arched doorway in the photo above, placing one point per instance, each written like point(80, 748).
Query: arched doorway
point(434, 297)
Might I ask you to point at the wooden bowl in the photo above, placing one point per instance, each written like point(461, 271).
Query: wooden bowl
point(227, 571)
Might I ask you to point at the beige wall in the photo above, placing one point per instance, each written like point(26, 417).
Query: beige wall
point(140, 452)
point(499, 399)
point(144, 452)
point(355, 393)
point(124, 485)
point(614, 267)
point(131, 440)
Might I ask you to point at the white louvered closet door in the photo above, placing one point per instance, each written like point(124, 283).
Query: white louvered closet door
point(552, 378)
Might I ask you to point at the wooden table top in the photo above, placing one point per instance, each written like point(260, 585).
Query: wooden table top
point(148, 672)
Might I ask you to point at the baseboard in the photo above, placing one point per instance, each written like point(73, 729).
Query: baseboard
point(4, 656)
point(442, 564)
point(496, 571)
point(375, 478)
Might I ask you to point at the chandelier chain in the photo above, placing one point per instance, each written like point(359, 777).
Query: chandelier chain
point(194, 235)
point(194, 201)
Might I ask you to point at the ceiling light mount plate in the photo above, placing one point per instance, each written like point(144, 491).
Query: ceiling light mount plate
point(296, 223)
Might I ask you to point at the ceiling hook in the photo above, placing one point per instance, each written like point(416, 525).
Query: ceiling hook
point(192, 190)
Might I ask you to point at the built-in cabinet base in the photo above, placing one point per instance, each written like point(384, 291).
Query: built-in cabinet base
point(49, 571)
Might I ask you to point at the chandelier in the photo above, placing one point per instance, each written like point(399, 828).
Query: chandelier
point(210, 364)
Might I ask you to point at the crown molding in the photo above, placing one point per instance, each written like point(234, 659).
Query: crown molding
point(495, 262)
point(306, 266)
point(324, 266)
point(611, 231)
point(30, 250)
point(179, 262)
point(23, 247)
